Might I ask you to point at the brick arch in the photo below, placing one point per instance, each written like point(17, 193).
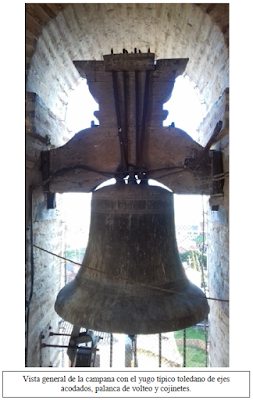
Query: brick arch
point(87, 31)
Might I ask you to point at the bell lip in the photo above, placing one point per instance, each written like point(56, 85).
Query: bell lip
point(153, 314)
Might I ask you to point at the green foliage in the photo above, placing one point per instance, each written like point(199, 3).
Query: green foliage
point(194, 357)
point(75, 255)
point(199, 239)
point(194, 259)
point(191, 333)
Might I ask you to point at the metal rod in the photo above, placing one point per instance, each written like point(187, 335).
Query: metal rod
point(117, 108)
point(144, 116)
point(125, 132)
point(135, 351)
point(205, 330)
point(137, 118)
point(59, 334)
point(67, 347)
point(116, 98)
point(160, 350)
point(111, 349)
point(67, 334)
point(184, 349)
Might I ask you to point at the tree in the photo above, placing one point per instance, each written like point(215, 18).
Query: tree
point(194, 259)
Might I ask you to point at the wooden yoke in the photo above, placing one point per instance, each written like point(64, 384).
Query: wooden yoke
point(131, 90)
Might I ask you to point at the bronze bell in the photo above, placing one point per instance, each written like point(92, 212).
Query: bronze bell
point(132, 280)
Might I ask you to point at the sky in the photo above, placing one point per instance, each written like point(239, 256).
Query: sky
point(80, 109)
point(184, 107)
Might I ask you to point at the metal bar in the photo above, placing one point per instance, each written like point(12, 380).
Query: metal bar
point(125, 131)
point(116, 98)
point(184, 349)
point(160, 350)
point(205, 330)
point(117, 108)
point(137, 118)
point(59, 334)
point(111, 349)
point(65, 262)
point(144, 116)
point(135, 351)
point(65, 347)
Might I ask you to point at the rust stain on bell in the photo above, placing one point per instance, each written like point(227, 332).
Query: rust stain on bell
point(132, 257)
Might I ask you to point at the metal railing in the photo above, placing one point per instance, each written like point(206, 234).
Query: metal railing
point(186, 348)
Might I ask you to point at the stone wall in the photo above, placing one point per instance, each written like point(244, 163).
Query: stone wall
point(44, 228)
point(89, 31)
point(218, 241)
point(48, 232)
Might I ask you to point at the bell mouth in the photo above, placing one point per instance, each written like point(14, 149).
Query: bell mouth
point(132, 310)
point(132, 236)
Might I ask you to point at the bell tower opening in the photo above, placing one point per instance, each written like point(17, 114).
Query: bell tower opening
point(80, 109)
point(185, 108)
point(57, 35)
